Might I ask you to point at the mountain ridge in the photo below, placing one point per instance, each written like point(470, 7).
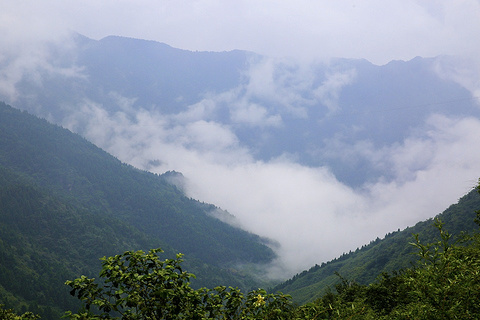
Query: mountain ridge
point(66, 201)
point(342, 101)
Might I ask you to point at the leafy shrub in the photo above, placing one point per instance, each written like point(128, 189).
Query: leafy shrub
point(138, 285)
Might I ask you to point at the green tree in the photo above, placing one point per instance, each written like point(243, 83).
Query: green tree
point(9, 314)
point(446, 285)
point(138, 285)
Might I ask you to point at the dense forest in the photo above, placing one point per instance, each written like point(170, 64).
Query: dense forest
point(66, 164)
point(64, 203)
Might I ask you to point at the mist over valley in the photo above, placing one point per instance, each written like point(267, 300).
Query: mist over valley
point(297, 152)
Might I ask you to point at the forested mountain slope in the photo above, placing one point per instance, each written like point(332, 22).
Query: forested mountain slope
point(394, 252)
point(46, 240)
point(65, 203)
point(61, 161)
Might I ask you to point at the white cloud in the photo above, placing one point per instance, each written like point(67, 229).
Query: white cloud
point(253, 114)
point(204, 109)
point(329, 91)
point(306, 210)
point(26, 42)
point(286, 86)
point(209, 136)
point(463, 70)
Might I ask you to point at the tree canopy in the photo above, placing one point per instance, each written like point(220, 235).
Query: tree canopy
point(138, 285)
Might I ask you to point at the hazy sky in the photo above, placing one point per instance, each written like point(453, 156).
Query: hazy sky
point(373, 29)
point(312, 215)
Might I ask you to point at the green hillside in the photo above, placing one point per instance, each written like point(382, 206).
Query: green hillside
point(394, 252)
point(63, 162)
point(65, 203)
point(45, 240)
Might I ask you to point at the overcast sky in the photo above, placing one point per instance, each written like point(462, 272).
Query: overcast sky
point(377, 30)
point(306, 209)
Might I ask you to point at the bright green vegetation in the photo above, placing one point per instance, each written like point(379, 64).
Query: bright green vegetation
point(9, 314)
point(139, 285)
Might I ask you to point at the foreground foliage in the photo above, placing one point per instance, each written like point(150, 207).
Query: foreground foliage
point(445, 284)
point(9, 314)
point(139, 285)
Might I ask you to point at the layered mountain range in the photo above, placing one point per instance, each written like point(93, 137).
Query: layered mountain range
point(271, 107)
point(97, 173)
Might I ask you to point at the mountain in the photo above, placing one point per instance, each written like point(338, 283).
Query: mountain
point(155, 75)
point(221, 116)
point(272, 107)
point(46, 240)
point(392, 253)
point(65, 203)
